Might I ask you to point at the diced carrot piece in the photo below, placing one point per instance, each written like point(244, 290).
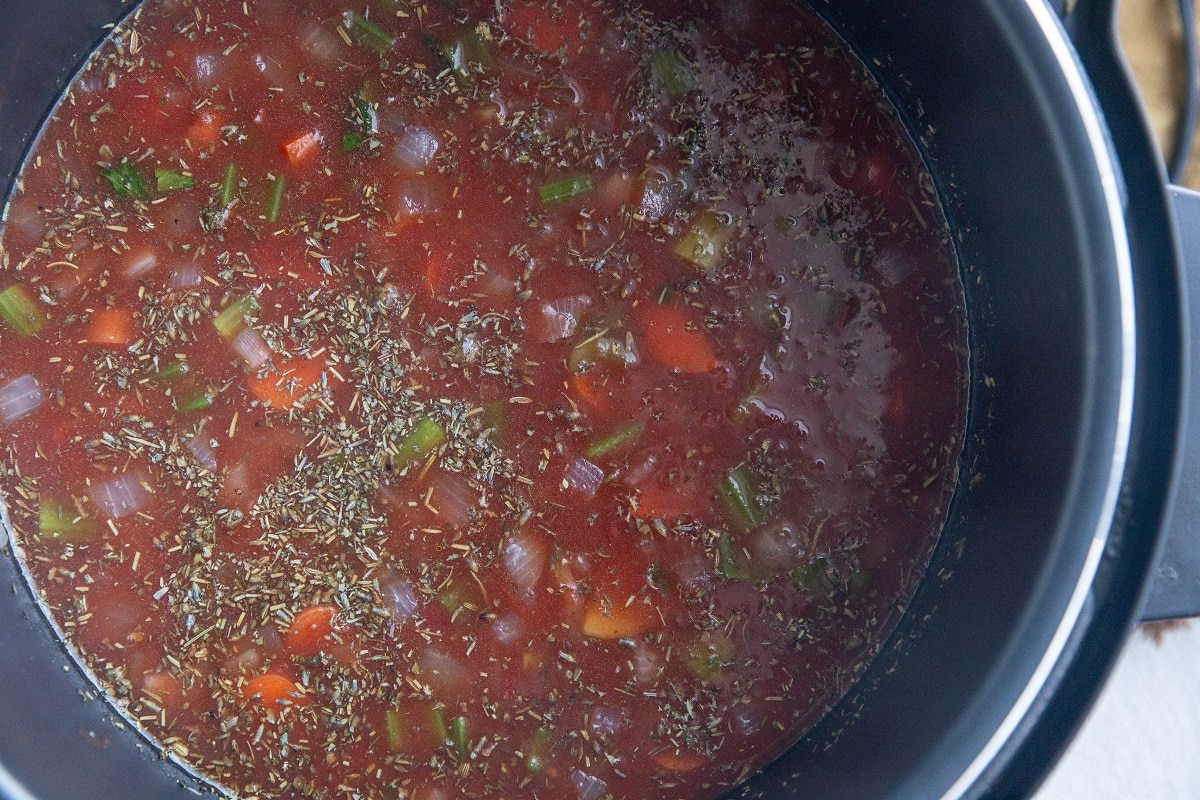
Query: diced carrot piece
point(287, 383)
point(205, 130)
point(675, 337)
point(618, 620)
point(302, 148)
point(112, 327)
point(163, 688)
point(678, 762)
point(272, 691)
point(585, 387)
point(659, 502)
point(310, 630)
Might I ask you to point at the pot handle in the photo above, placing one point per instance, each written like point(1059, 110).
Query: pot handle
point(1174, 589)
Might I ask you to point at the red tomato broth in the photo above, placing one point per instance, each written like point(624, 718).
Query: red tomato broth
point(497, 550)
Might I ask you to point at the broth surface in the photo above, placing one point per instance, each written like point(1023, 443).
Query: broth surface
point(474, 399)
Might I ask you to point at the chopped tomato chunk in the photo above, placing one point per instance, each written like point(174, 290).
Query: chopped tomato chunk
point(272, 692)
point(205, 130)
point(287, 382)
point(623, 620)
point(310, 630)
point(111, 326)
point(675, 337)
point(302, 148)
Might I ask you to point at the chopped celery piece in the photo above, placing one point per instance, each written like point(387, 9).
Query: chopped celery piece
point(394, 728)
point(535, 754)
point(368, 33)
point(350, 141)
point(737, 489)
point(21, 311)
point(168, 180)
point(197, 402)
point(813, 575)
point(676, 78)
point(731, 561)
point(710, 654)
point(614, 441)
point(229, 185)
point(495, 415)
point(63, 524)
point(437, 724)
point(858, 581)
point(460, 737)
point(364, 114)
point(125, 180)
point(275, 198)
point(425, 437)
point(458, 595)
point(171, 372)
point(435, 47)
point(597, 349)
point(465, 50)
point(565, 188)
point(232, 319)
point(704, 242)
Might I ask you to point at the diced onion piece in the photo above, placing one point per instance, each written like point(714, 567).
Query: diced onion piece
point(205, 66)
point(185, 276)
point(320, 42)
point(525, 560)
point(442, 672)
point(122, 496)
point(251, 348)
point(776, 546)
point(605, 721)
point(19, 397)
point(894, 266)
point(584, 476)
point(140, 263)
point(748, 721)
point(453, 496)
point(416, 149)
point(641, 470)
point(694, 571)
point(508, 629)
point(202, 451)
point(589, 786)
point(235, 488)
point(399, 599)
point(29, 217)
point(661, 194)
point(415, 198)
point(646, 666)
point(247, 662)
point(562, 317)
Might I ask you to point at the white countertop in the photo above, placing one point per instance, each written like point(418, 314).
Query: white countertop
point(1142, 739)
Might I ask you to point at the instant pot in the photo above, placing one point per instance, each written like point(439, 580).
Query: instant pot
point(1080, 476)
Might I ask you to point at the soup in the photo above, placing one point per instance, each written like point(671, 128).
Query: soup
point(476, 400)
